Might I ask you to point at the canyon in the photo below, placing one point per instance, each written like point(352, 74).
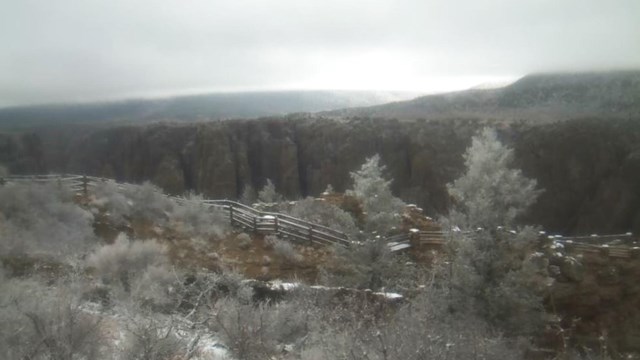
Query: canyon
point(589, 168)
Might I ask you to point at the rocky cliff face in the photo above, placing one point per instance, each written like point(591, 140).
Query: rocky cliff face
point(589, 168)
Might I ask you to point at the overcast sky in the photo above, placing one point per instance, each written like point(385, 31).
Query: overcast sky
point(80, 50)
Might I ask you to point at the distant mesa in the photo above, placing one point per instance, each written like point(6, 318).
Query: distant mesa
point(551, 96)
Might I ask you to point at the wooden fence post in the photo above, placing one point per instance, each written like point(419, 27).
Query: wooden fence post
point(275, 225)
point(85, 184)
point(255, 223)
point(231, 214)
point(310, 234)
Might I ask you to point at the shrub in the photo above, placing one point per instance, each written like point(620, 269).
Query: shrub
point(422, 329)
point(268, 194)
point(117, 206)
point(285, 250)
point(199, 219)
point(148, 203)
point(150, 337)
point(43, 219)
point(258, 331)
point(137, 268)
point(46, 323)
point(244, 241)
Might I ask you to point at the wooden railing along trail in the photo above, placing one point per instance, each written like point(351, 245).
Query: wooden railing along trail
point(618, 245)
point(238, 214)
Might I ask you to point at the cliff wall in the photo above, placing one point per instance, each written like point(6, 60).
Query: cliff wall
point(589, 168)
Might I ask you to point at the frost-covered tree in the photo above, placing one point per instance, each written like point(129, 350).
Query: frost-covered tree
point(494, 273)
point(491, 193)
point(268, 194)
point(383, 210)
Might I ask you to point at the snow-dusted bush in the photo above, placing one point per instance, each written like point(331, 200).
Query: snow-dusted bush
point(244, 241)
point(198, 219)
point(138, 268)
point(113, 200)
point(422, 329)
point(41, 322)
point(383, 210)
point(323, 213)
point(149, 203)
point(150, 336)
point(268, 194)
point(42, 218)
point(283, 249)
point(257, 331)
point(144, 202)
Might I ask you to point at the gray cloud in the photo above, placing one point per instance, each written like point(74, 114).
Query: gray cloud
point(77, 50)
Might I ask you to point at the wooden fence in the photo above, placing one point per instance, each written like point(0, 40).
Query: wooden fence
point(238, 214)
point(285, 226)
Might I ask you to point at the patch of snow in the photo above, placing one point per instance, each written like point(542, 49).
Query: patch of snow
point(389, 295)
point(414, 230)
point(268, 217)
point(210, 348)
point(277, 284)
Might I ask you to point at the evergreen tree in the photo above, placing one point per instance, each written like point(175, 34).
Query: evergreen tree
point(494, 274)
point(490, 193)
point(383, 210)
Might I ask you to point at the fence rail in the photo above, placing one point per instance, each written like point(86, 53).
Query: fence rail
point(286, 226)
point(238, 214)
